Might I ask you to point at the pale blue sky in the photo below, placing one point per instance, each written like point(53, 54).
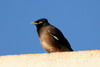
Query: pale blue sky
point(79, 20)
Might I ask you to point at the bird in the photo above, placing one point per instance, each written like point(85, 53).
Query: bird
point(51, 38)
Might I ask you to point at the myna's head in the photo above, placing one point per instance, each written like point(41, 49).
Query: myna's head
point(41, 22)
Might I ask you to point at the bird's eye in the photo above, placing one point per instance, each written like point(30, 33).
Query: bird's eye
point(40, 22)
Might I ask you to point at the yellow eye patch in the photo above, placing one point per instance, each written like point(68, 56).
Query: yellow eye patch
point(37, 23)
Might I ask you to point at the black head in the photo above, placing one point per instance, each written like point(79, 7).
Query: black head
point(41, 23)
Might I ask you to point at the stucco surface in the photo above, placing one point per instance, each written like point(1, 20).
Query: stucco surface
point(89, 58)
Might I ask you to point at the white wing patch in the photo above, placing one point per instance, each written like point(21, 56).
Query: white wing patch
point(53, 35)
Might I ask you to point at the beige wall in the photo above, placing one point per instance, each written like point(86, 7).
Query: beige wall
point(62, 59)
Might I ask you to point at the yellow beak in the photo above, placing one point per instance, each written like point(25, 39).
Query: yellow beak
point(33, 23)
point(37, 23)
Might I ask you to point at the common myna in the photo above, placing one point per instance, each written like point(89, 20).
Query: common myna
point(51, 38)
